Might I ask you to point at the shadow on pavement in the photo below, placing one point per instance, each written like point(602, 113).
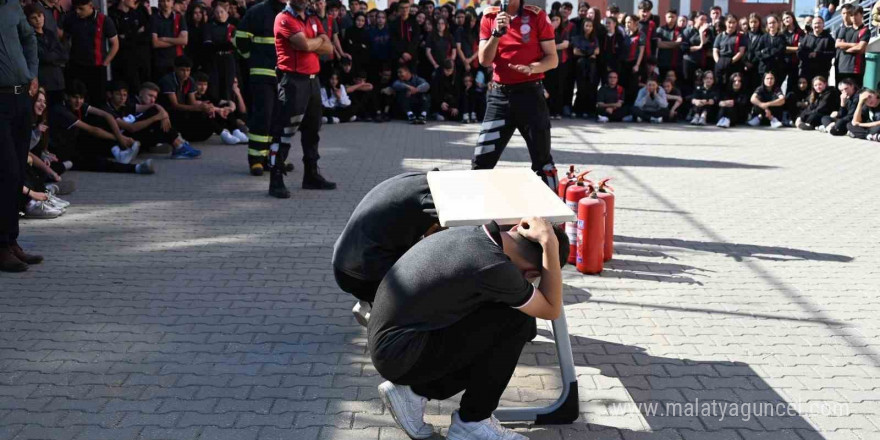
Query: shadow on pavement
point(738, 251)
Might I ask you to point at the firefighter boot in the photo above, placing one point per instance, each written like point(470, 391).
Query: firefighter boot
point(257, 169)
point(312, 179)
point(276, 183)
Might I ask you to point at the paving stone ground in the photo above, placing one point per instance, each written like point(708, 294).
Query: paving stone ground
point(189, 305)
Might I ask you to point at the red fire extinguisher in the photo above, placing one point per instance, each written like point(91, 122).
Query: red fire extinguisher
point(565, 182)
point(573, 195)
point(590, 233)
point(607, 195)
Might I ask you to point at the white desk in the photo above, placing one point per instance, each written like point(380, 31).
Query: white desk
point(473, 198)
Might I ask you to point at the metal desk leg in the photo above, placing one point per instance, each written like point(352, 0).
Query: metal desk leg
point(565, 410)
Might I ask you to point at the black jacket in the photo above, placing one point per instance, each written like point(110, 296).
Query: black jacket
point(770, 53)
point(444, 89)
point(823, 47)
point(824, 104)
point(53, 57)
point(405, 36)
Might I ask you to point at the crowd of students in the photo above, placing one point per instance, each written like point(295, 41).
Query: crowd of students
point(177, 77)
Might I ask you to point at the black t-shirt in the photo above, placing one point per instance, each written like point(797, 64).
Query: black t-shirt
point(88, 37)
point(767, 95)
point(390, 219)
point(870, 114)
point(692, 37)
point(122, 112)
point(728, 45)
point(703, 93)
point(62, 125)
point(850, 62)
point(442, 279)
point(610, 95)
point(670, 58)
point(133, 27)
point(170, 26)
point(169, 84)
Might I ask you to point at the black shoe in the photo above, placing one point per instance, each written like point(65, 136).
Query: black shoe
point(257, 169)
point(312, 179)
point(421, 120)
point(9, 262)
point(25, 258)
point(288, 167)
point(277, 188)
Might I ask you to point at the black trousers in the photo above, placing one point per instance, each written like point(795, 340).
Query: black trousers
point(629, 80)
point(132, 65)
point(647, 114)
point(553, 80)
point(735, 114)
point(94, 78)
point(568, 71)
point(416, 103)
point(776, 112)
point(839, 128)
point(477, 355)
point(15, 129)
point(473, 101)
point(264, 104)
point(90, 153)
point(300, 99)
point(361, 289)
point(153, 134)
point(519, 107)
point(726, 67)
point(194, 126)
point(587, 81)
point(861, 132)
point(617, 115)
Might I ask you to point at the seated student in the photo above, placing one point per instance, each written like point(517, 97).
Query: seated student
point(768, 103)
point(609, 100)
point(361, 94)
point(472, 101)
point(704, 101)
point(796, 101)
point(389, 220)
point(189, 116)
point(411, 94)
point(733, 108)
point(866, 119)
point(822, 102)
point(383, 95)
point(222, 120)
point(454, 313)
point(650, 103)
point(674, 99)
point(445, 92)
point(337, 105)
point(835, 124)
point(87, 137)
point(142, 118)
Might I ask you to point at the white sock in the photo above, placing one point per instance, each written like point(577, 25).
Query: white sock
point(68, 165)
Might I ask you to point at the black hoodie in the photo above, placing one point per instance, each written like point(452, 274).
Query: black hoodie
point(823, 47)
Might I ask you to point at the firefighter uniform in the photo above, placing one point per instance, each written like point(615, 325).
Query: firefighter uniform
point(299, 96)
point(516, 100)
point(255, 41)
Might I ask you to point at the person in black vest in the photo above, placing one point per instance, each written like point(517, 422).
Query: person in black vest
point(90, 33)
point(671, 45)
point(133, 25)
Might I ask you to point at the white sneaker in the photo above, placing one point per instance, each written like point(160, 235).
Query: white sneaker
point(628, 118)
point(754, 122)
point(489, 429)
point(242, 137)
point(335, 120)
point(723, 123)
point(324, 120)
point(58, 203)
point(361, 312)
point(228, 138)
point(126, 156)
point(439, 117)
point(352, 119)
point(603, 119)
point(466, 119)
point(474, 116)
point(656, 120)
point(821, 128)
point(407, 408)
point(38, 209)
point(774, 123)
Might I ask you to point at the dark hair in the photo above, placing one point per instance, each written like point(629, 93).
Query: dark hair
point(360, 73)
point(200, 77)
point(568, 5)
point(614, 9)
point(76, 88)
point(404, 66)
point(32, 9)
point(846, 7)
point(76, 3)
point(448, 64)
point(859, 10)
point(183, 61)
point(846, 82)
point(150, 86)
point(716, 8)
point(43, 143)
point(646, 5)
point(533, 252)
point(117, 85)
point(672, 11)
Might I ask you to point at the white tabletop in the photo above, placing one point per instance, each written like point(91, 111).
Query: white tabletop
point(506, 195)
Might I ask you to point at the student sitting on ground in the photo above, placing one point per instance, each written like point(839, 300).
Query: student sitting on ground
point(704, 101)
point(673, 98)
point(445, 92)
point(733, 108)
point(866, 119)
point(188, 115)
point(337, 105)
point(650, 103)
point(361, 94)
point(411, 93)
point(142, 118)
point(472, 101)
point(86, 137)
point(796, 101)
point(389, 220)
point(768, 103)
point(454, 313)
point(383, 95)
point(609, 100)
point(822, 101)
point(835, 124)
point(222, 120)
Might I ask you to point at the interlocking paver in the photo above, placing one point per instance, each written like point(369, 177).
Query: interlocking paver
point(189, 305)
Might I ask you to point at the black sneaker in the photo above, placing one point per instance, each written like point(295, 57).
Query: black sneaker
point(412, 119)
point(421, 120)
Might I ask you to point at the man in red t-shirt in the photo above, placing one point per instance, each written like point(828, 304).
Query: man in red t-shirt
point(299, 40)
point(521, 48)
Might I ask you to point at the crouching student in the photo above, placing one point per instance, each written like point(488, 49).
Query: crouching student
point(222, 120)
point(733, 108)
point(609, 100)
point(454, 313)
point(866, 119)
point(674, 99)
point(411, 93)
point(651, 103)
point(822, 102)
point(835, 124)
point(768, 102)
point(389, 220)
point(87, 138)
point(142, 119)
point(188, 115)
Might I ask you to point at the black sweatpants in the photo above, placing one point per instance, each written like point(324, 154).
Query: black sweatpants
point(776, 112)
point(617, 115)
point(15, 131)
point(861, 132)
point(194, 126)
point(361, 289)
point(477, 355)
point(518, 107)
point(261, 114)
point(153, 134)
point(648, 114)
point(587, 80)
point(839, 128)
point(132, 65)
point(300, 110)
point(416, 103)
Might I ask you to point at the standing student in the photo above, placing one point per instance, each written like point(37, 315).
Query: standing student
point(734, 106)
point(615, 45)
point(586, 51)
point(704, 101)
point(440, 46)
point(698, 55)
point(169, 38)
point(387, 222)
point(132, 21)
point(836, 123)
point(754, 30)
point(793, 37)
point(852, 47)
point(53, 56)
point(218, 40)
point(93, 45)
point(554, 78)
point(632, 63)
point(729, 51)
point(405, 36)
point(768, 103)
point(816, 51)
point(671, 45)
point(520, 50)
point(823, 101)
point(462, 324)
point(648, 27)
point(866, 119)
point(356, 42)
point(770, 51)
